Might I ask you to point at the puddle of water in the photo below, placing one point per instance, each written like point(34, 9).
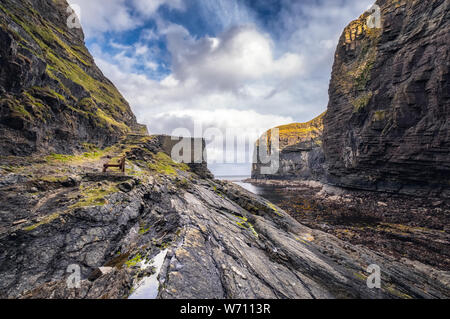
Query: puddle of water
point(149, 286)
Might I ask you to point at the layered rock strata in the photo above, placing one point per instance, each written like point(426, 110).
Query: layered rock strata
point(60, 213)
point(53, 98)
point(388, 121)
point(300, 151)
point(220, 240)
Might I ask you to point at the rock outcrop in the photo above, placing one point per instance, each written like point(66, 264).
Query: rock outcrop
point(53, 98)
point(219, 240)
point(300, 151)
point(387, 125)
point(191, 151)
point(60, 213)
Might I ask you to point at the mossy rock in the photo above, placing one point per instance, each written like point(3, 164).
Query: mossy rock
point(163, 164)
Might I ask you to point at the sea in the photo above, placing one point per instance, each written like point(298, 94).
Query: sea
point(272, 193)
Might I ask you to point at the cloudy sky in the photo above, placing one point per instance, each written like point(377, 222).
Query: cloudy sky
point(241, 65)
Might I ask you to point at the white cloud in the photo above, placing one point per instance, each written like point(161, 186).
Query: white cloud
point(220, 127)
point(149, 7)
point(240, 78)
point(170, 104)
point(224, 14)
point(234, 61)
point(98, 17)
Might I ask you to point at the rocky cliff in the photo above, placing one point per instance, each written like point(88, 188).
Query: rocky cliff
point(387, 125)
point(300, 151)
point(214, 239)
point(171, 223)
point(53, 98)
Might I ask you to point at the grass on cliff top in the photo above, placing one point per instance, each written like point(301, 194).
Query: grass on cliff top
point(311, 129)
point(315, 124)
point(62, 158)
point(163, 164)
point(354, 76)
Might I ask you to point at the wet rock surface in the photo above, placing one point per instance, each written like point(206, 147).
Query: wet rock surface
point(222, 241)
point(397, 225)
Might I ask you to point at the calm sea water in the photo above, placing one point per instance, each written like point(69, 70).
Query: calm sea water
point(271, 193)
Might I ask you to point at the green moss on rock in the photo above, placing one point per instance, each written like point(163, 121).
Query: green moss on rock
point(68, 86)
point(95, 196)
point(361, 102)
point(163, 164)
point(46, 220)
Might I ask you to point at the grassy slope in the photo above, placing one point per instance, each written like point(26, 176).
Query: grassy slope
point(70, 78)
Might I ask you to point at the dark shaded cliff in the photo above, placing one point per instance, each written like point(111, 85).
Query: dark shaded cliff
point(53, 98)
point(387, 125)
point(300, 151)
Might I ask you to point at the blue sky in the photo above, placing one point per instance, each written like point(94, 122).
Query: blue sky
point(238, 65)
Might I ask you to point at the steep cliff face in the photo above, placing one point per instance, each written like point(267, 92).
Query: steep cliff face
point(387, 125)
point(53, 98)
point(300, 151)
point(60, 213)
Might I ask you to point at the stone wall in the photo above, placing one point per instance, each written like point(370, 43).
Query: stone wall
point(191, 151)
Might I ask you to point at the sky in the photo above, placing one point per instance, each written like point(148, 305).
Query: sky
point(234, 68)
